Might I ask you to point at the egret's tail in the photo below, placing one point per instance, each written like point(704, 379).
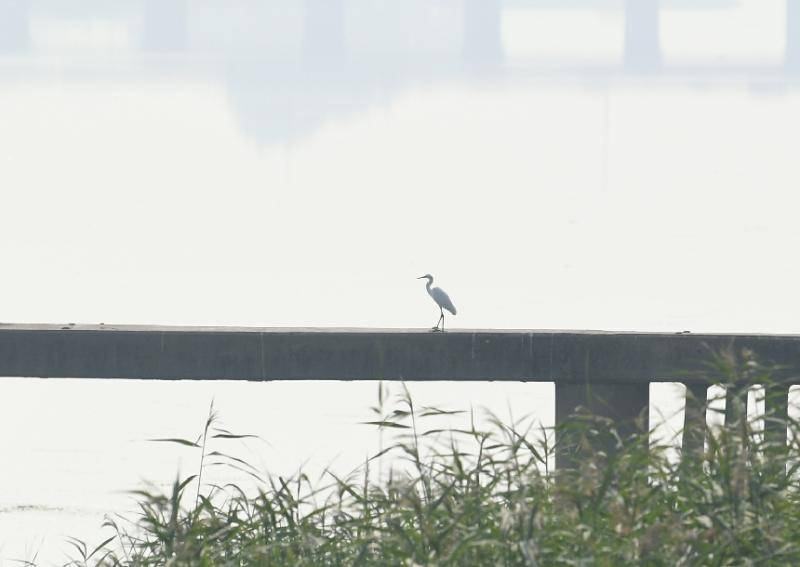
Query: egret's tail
point(451, 309)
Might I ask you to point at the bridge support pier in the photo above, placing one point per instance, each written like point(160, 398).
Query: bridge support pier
point(694, 420)
point(642, 43)
point(793, 35)
point(776, 415)
point(166, 25)
point(735, 403)
point(14, 26)
point(483, 38)
point(325, 39)
point(626, 404)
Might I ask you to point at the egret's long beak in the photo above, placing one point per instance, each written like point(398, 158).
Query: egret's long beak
point(421, 278)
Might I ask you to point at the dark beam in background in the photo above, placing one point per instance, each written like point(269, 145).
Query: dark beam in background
point(583, 357)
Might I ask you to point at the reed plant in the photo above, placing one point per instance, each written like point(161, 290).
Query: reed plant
point(487, 495)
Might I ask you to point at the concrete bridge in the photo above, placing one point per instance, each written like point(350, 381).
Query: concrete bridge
point(607, 372)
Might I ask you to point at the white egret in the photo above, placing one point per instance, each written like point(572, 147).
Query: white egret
point(441, 299)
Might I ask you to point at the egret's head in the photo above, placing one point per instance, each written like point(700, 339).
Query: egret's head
point(426, 277)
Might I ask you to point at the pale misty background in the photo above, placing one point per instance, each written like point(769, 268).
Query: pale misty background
point(601, 164)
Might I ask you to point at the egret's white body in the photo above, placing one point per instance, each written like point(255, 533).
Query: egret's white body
point(441, 298)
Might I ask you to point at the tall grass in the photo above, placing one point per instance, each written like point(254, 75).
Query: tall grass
point(470, 495)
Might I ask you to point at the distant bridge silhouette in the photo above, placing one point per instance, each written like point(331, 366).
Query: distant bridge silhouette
point(290, 67)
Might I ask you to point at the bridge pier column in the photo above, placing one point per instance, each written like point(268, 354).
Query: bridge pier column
point(165, 25)
point(694, 420)
point(483, 36)
point(776, 411)
point(627, 404)
point(735, 403)
point(325, 39)
point(642, 43)
point(14, 25)
point(793, 34)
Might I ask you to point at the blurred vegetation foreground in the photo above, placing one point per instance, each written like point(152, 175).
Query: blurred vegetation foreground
point(475, 496)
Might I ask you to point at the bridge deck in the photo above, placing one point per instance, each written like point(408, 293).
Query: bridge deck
point(151, 352)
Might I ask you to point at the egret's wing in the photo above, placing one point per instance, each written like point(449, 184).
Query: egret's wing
point(443, 300)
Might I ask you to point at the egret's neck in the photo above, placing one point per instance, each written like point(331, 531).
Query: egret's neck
point(428, 285)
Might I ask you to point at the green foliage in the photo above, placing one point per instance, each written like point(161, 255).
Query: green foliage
point(486, 496)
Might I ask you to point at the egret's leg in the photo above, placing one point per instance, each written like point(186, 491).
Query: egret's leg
point(442, 312)
point(441, 316)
